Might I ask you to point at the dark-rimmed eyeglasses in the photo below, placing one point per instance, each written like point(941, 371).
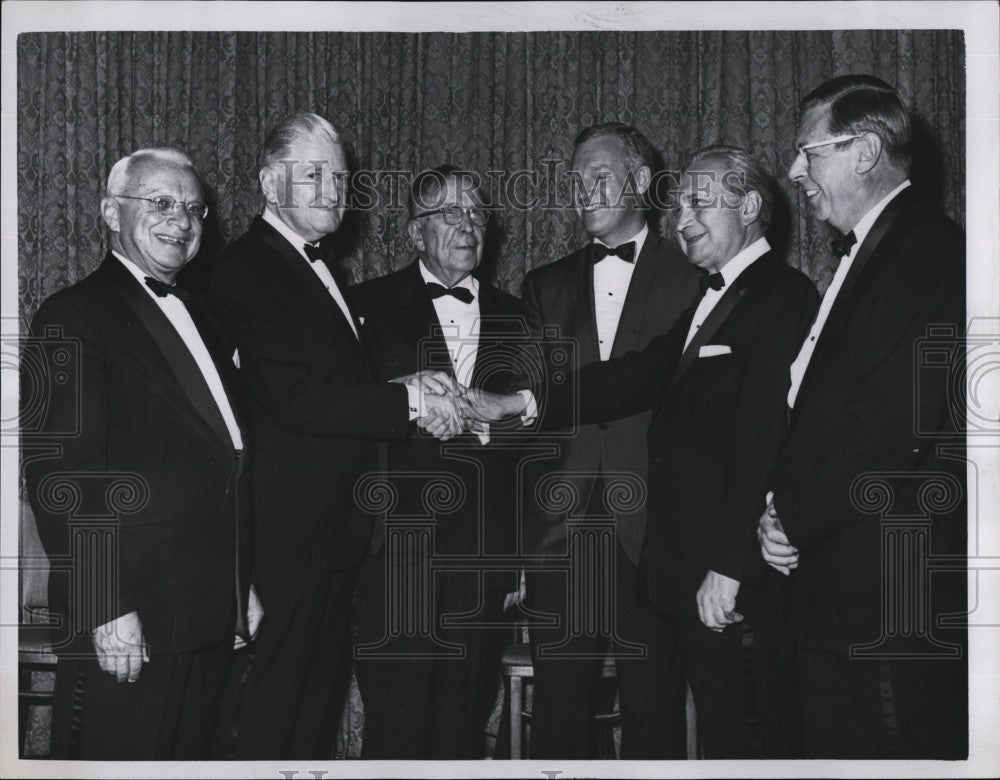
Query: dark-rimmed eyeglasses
point(453, 215)
point(167, 205)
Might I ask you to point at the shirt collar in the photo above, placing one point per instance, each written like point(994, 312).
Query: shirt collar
point(639, 238)
point(287, 233)
point(743, 260)
point(470, 282)
point(864, 225)
point(136, 271)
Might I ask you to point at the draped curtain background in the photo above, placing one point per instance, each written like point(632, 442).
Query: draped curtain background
point(486, 101)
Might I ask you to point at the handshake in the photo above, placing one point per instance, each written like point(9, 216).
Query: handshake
point(447, 407)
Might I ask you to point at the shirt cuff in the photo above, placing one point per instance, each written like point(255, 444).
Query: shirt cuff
point(415, 401)
point(530, 413)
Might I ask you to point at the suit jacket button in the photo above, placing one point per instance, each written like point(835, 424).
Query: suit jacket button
point(602, 426)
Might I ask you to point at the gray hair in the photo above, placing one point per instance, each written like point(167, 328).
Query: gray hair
point(122, 169)
point(279, 139)
point(750, 174)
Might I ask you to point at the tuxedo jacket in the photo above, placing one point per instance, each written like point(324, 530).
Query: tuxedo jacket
point(142, 502)
point(717, 424)
point(562, 295)
point(317, 410)
point(402, 326)
point(869, 403)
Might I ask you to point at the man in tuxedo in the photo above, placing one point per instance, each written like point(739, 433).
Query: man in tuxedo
point(422, 700)
point(317, 414)
point(611, 296)
point(716, 384)
point(151, 435)
point(861, 410)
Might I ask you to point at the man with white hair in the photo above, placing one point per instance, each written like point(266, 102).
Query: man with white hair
point(317, 416)
point(150, 435)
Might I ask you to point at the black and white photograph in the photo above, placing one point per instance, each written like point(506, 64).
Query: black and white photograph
point(500, 389)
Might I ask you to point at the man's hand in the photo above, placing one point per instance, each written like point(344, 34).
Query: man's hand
point(121, 647)
point(255, 613)
point(442, 418)
point(774, 546)
point(482, 406)
point(432, 382)
point(717, 601)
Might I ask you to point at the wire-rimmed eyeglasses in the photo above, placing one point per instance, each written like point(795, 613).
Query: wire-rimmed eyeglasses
point(164, 204)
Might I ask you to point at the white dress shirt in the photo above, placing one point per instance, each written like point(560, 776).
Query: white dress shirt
point(460, 328)
point(612, 276)
point(318, 267)
point(861, 230)
point(180, 318)
point(730, 273)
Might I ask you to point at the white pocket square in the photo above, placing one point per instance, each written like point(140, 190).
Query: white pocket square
point(714, 350)
point(236, 358)
point(361, 320)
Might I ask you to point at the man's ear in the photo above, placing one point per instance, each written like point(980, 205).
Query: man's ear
point(643, 176)
point(750, 210)
point(416, 235)
point(269, 182)
point(869, 149)
point(112, 217)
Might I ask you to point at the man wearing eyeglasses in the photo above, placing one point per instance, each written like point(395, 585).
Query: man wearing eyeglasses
point(148, 431)
point(318, 417)
point(422, 700)
point(861, 405)
point(612, 295)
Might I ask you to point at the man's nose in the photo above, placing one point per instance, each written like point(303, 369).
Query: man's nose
point(335, 187)
point(685, 216)
point(180, 216)
point(798, 168)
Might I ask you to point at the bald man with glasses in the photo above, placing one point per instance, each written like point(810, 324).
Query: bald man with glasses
point(150, 434)
point(436, 309)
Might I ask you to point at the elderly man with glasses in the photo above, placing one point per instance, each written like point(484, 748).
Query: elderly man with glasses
point(428, 691)
point(145, 493)
point(879, 678)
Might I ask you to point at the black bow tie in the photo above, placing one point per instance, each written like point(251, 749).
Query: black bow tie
point(464, 294)
point(715, 281)
point(313, 253)
point(162, 289)
point(841, 247)
point(625, 251)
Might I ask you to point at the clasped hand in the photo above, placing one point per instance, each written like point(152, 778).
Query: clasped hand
point(448, 407)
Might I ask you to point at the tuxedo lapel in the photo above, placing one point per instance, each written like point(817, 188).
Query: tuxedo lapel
point(718, 316)
point(497, 324)
point(315, 292)
point(862, 267)
point(637, 299)
point(420, 321)
point(586, 317)
point(211, 335)
point(169, 364)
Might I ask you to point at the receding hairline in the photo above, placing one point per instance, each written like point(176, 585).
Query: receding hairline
point(294, 128)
